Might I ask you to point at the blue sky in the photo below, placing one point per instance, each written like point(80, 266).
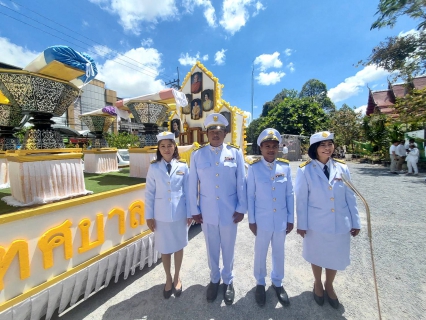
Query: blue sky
point(138, 44)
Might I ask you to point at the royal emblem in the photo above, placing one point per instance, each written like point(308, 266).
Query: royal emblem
point(164, 133)
point(325, 134)
point(215, 118)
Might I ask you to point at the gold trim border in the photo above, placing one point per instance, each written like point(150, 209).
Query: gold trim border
point(66, 274)
point(48, 208)
point(34, 158)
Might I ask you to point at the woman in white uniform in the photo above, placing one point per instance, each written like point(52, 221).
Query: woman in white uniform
point(166, 208)
point(327, 214)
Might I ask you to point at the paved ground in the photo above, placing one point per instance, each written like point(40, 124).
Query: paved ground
point(398, 219)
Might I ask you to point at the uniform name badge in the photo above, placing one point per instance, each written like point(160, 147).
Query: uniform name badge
point(280, 175)
point(180, 173)
point(229, 159)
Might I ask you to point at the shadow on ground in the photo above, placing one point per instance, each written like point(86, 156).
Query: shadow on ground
point(192, 304)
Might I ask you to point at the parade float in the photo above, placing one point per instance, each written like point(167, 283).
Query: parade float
point(185, 111)
point(58, 253)
point(100, 158)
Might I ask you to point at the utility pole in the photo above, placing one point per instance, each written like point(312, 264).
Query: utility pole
point(175, 83)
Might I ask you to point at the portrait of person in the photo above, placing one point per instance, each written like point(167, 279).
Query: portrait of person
point(175, 127)
point(196, 82)
point(227, 115)
point(207, 96)
point(196, 111)
point(187, 109)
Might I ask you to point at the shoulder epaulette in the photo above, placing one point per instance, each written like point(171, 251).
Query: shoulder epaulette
point(251, 162)
point(305, 163)
point(339, 160)
point(233, 145)
point(182, 160)
point(283, 160)
point(200, 146)
point(154, 161)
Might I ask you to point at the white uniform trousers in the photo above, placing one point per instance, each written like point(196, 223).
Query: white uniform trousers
point(217, 238)
point(277, 240)
point(412, 165)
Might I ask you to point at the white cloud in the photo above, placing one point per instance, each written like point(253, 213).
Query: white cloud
point(291, 67)
point(361, 109)
point(132, 13)
point(288, 52)
point(187, 60)
point(101, 51)
point(219, 57)
point(148, 42)
point(410, 32)
point(15, 55)
point(209, 11)
point(205, 57)
point(267, 79)
point(236, 14)
point(85, 23)
point(353, 85)
point(131, 83)
point(267, 61)
point(259, 7)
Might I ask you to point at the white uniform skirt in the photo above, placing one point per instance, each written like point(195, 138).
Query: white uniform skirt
point(170, 237)
point(326, 250)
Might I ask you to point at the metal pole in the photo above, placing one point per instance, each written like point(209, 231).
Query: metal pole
point(349, 184)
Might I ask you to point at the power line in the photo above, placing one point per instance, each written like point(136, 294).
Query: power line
point(140, 71)
point(47, 18)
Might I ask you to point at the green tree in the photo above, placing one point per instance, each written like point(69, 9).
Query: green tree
point(317, 91)
point(346, 124)
point(376, 131)
point(412, 107)
point(404, 55)
point(122, 140)
point(390, 10)
point(299, 116)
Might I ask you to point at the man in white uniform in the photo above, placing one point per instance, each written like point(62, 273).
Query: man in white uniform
point(271, 212)
point(393, 157)
point(285, 151)
point(401, 153)
point(217, 198)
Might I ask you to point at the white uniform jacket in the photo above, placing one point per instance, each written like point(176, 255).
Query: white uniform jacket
point(217, 184)
point(413, 155)
point(325, 206)
point(166, 195)
point(270, 195)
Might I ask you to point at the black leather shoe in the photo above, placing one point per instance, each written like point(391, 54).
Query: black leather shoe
point(212, 291)
point(333, 302)
point(177, 292)
point(168, 293)
point(319, 300)
point(281, 295)
point(260, 295)
point(229, 294)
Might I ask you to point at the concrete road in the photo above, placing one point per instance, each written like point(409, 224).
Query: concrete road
point(398, 218)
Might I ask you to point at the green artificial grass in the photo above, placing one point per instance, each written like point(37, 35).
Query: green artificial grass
point(94, 182)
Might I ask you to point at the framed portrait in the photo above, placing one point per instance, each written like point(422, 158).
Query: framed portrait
point(227, 115)
point(175, 127)
point(207, 96)
point(196, 82)
point(187, 109)
point(196, 110)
